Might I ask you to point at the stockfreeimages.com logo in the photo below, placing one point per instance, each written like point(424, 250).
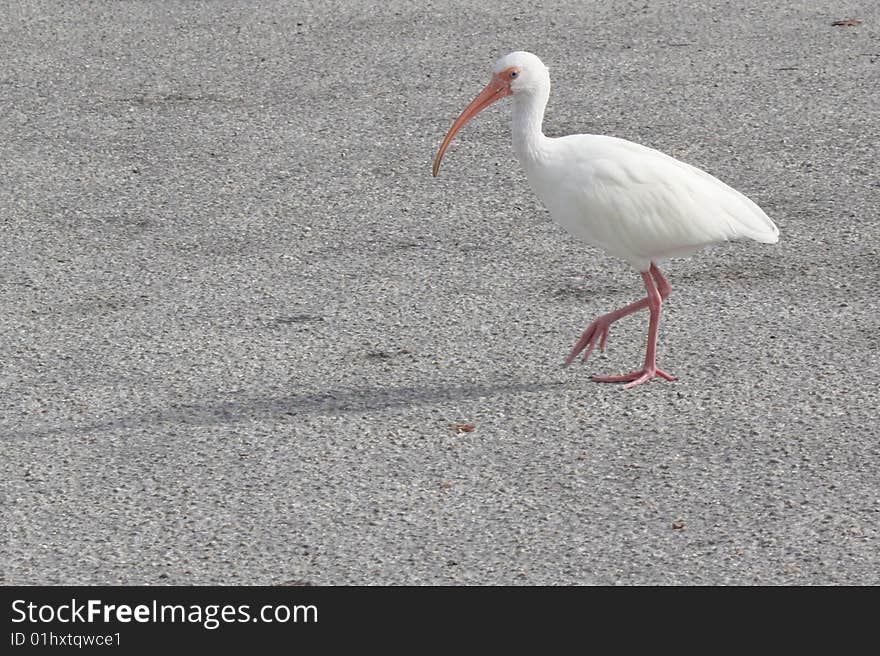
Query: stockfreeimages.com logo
point(210, 616)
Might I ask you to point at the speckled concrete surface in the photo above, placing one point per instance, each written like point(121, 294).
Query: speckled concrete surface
point(239, 317)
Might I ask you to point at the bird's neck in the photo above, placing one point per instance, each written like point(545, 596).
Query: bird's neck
point(529, 141)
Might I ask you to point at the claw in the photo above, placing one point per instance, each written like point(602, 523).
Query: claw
point(596, 333)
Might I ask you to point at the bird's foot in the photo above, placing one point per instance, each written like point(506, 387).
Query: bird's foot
point(634, 378)
point(596, 333)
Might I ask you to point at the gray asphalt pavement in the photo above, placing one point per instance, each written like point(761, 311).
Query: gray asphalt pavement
point(240, 321)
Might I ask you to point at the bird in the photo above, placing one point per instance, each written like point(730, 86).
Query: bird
point(631, 201)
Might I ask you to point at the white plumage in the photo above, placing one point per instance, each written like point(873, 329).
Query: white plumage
point(633, 202)
point(637, 203)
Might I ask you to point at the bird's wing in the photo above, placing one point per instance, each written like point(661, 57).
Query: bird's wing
point(639, 203)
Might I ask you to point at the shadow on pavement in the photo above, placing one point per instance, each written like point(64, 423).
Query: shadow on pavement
point(331, 402)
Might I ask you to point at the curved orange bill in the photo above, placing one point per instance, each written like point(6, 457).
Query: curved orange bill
point(495, 90)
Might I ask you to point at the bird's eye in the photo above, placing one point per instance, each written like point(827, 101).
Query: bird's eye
point(513, 74)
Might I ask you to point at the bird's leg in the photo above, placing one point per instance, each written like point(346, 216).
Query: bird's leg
point(654, 281)
point(663, 285)
point(597, 332)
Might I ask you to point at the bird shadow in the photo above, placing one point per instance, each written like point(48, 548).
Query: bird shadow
point(287, 408)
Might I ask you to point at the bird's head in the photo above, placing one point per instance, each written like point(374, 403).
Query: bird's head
point(521, 72)
point(518, 73)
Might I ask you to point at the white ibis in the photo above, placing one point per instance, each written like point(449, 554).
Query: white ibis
point(633, 202)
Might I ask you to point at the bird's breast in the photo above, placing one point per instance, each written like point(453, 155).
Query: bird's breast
point(566, 194)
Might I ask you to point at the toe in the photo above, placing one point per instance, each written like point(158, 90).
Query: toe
point(665, 375)
point(616, 379)
point(644, 378)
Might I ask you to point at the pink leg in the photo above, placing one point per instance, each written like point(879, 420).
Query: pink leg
point(654, 283)
point(663, 285)
point(597, 332)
